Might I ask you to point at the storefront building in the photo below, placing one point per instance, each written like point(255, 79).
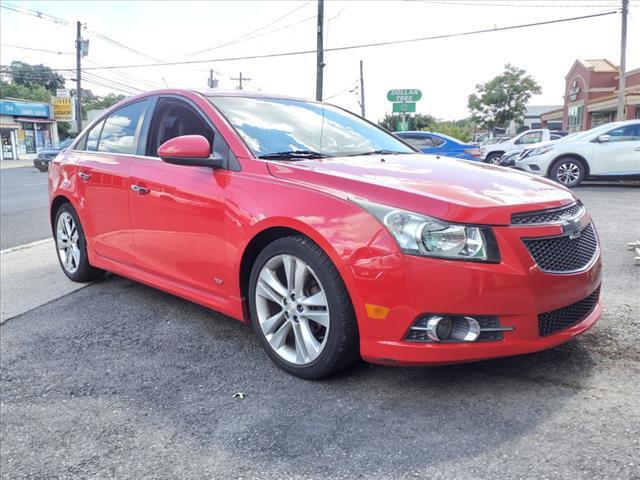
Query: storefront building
point(26, 128)
point(591, 96)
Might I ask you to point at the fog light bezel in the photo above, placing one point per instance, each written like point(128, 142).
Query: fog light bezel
point(465, 329)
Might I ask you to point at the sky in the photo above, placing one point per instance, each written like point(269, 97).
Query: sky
point(445, 70)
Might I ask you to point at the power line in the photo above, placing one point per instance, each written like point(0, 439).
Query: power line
point(509, 3)
point(353, 47)
point(243, 36)
point(37, 49)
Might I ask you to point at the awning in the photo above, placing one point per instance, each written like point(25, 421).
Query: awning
point(34, 120)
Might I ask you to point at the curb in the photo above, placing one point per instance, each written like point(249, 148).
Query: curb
point(26, 245)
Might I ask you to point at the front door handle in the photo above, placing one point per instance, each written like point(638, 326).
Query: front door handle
point(85, 176)
point(139, 189)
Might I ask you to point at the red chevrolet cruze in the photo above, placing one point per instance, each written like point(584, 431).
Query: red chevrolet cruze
point(335, 239)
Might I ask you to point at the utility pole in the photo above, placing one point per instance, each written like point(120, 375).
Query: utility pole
point(362, 90)
point(78, 77)
point(320, 51)
point(240, 79)
point(622, 85)
point(213, 82)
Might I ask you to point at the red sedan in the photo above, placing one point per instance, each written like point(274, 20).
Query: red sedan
point(335, 239)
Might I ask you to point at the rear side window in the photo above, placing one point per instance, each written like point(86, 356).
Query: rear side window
point(437, 141)
point(419, 142)
point(92, 138)
point(121, 128)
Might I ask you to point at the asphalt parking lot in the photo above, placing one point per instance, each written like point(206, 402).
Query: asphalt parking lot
point(118, 380)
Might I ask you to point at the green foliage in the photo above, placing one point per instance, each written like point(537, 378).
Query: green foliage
point(28, 75)
point(503, 98)
point(416, 122)
point(35, 93)
point(101, 102)
point(460, 129)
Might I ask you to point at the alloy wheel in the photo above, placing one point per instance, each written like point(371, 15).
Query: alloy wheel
point(568, 173)
point(67, 242)
point(292, 309)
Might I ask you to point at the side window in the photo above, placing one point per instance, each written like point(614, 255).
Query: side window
point(120, 131)
point(174, 118)
point(628, 133)
point(92, 138)
point(437, 141)
point(419, 142)
point(532, 137)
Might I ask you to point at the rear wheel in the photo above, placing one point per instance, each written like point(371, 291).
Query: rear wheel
point(71, 246)
point(300, 309)
point(568, 171)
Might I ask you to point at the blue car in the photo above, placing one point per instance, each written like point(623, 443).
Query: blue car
point(439, 144)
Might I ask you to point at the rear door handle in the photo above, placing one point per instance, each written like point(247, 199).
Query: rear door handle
point(85, 176)
point(139, 189)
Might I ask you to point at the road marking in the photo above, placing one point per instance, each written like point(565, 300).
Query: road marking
point(34, 184)
point(26, 245)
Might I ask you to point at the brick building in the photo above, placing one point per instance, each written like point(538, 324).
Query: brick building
point(591, 96)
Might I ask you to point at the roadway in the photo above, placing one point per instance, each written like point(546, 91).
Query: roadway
point(23, 206)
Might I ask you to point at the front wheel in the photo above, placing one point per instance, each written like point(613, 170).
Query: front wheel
point(301, 310)
point(568, 171)
point(493, 158)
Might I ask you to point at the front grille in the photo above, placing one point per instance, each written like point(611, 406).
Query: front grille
point(564, 254)
point(556, 320)
point(554, 215)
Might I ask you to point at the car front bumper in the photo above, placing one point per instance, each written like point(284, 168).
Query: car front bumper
point(515, 290)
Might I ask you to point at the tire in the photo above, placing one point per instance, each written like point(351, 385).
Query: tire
point(493, 158)
point(321, 294)
point(72, 254)
point(568, 171)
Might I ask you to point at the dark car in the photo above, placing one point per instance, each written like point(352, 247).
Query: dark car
point(45, 156)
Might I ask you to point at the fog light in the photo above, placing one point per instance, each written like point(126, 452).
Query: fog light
point(443, 328)
point(534, 167)
point(439, 328)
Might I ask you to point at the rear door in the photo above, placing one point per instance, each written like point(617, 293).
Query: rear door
point(103, 181)
point(178, 212)
point(620, 155)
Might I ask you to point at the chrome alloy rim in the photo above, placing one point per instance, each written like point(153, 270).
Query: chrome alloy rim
point(568, 173)
point(67, 242)
point(495, 160)
point(292, 309)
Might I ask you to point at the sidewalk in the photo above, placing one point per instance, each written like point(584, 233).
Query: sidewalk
point(15, 163)
point(30, 276)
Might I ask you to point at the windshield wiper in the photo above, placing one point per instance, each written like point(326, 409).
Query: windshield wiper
point(379, 152)
point(294, 154)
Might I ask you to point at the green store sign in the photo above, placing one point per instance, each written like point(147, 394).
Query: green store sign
point(407, 95)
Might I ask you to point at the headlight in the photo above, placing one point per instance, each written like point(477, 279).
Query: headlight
point(418, 234)
point(540, 150)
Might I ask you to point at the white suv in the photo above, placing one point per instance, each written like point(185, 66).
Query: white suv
point(611, 150)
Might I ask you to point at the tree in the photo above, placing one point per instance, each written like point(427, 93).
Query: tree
point(97, 102)
point(503, 99)
point(25, 74)
point(460, 129)
point(35, 93)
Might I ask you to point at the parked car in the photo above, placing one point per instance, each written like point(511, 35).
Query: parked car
point(43, 158)
point(493, 140)
point(509, 159)
point(440, 144)
point(608, 151)
point(492, 153)
point(335, 239)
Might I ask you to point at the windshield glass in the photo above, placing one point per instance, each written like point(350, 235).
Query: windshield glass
point(594, 132)
point(271, 126)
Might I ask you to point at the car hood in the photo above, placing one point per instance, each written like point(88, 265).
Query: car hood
point(443, 187)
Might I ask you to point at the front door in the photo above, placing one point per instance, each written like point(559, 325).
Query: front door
point(103, 180)
point(178, 212)
point(619, 155)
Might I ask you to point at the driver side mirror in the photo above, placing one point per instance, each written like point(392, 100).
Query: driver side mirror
point(189, 150)
point(604, 138)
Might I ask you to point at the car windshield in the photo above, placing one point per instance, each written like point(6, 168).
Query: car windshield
point(594, 132)
point(284, 128)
